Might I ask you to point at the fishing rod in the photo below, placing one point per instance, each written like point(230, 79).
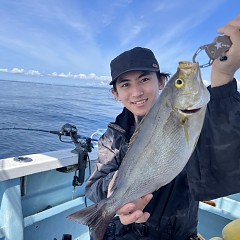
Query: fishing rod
point(83, 145)
point(67, 130)
point(30, 129)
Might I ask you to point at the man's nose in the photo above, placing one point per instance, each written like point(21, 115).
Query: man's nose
point(137, 91)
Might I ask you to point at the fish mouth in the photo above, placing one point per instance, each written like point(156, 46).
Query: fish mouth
point(189, 111)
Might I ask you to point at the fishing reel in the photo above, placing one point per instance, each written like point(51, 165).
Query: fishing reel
point(80, 142)
point(68, 130)
point(83, 147)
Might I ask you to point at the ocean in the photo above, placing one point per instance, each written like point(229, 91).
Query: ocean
point(48, 107)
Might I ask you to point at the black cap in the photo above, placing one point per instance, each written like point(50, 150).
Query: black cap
point(137, 58)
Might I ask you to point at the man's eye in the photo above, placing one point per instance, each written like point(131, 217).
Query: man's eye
point(125, 85)
point(145, 79)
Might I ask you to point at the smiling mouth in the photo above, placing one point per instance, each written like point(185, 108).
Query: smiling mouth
point(139, 102)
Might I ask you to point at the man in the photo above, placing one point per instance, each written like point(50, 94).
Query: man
point(212, 171)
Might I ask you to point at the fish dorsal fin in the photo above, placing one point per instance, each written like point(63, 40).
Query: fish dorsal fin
point(136, 131)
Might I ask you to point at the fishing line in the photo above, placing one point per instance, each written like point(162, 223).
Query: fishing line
point(63, 132)
point(31, 129)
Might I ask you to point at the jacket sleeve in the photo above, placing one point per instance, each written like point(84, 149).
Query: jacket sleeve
point(110, 155)
point(214, 167)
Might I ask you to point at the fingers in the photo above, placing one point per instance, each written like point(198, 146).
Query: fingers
point(223, 71)
point(233, 32)
point(143, 218)
point(133, 212)
point(233, 27)
point(144, 201)
point(235, 22)
point(127, 209)
point(137, 216)
point(139, 204)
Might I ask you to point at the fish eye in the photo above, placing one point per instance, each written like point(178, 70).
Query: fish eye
point(179, 83)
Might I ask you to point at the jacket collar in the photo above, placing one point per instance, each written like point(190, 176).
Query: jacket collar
point(125, 120)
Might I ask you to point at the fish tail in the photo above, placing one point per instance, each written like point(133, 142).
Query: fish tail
point(96, 217)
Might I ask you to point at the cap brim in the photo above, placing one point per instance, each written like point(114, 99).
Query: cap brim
point(134, 69)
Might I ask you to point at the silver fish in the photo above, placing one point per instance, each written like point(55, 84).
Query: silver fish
point(159, 149)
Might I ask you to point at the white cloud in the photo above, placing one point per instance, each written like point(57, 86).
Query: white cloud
point(80, 76)
point(64, 75)
point(54, 74)
point(17, 71)
point(21, 71)
point(33, 73)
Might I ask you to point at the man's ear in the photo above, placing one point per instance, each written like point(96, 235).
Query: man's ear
point(115, 94)
point(162, 83)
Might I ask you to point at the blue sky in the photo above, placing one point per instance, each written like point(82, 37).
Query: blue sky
point(76, 39)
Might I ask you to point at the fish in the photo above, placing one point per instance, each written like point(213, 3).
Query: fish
point(159, 148)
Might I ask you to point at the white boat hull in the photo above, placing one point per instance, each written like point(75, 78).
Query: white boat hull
point(36, 199)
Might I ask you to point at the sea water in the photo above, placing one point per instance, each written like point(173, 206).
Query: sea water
point(48, 107)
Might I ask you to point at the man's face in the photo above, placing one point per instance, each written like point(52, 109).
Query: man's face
point(138, 91)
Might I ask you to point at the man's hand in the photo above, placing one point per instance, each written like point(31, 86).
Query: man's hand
point(132, 212)
point(223, 71)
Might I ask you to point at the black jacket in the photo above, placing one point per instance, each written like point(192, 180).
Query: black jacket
point(212, 171)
